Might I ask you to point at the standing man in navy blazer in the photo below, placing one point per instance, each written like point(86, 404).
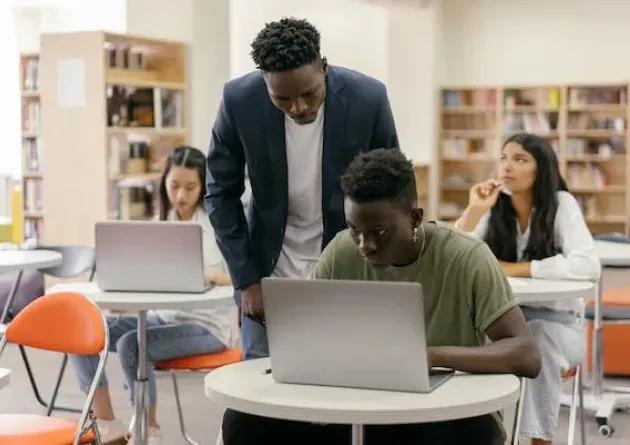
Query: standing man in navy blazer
point(295, 123)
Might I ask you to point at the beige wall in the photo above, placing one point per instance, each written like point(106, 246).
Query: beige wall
point(391, 41)
point(204, 25)
point(536, 41)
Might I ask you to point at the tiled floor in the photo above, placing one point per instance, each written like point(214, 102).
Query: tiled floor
point(202, 416)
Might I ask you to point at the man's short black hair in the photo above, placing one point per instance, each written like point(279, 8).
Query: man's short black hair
point(285, 45)
point(380, 175)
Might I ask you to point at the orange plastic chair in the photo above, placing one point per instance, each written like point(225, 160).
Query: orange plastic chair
point(70, 324)
point(195, 363)
point(616, 332)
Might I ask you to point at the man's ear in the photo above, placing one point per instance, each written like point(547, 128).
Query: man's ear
point(324, 63)
point(417, 214)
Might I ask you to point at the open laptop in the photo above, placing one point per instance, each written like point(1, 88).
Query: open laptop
point(361, 334)
point(149, 256)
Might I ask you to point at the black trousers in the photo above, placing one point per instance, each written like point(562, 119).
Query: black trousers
point(240, 429)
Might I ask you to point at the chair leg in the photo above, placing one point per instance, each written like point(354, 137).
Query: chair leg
point(180, 413)
point(31, 377)
point(573, 408)
point(53, 399)
point(580, 378)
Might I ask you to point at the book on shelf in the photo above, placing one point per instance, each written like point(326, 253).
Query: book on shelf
point(588, 205)
point(450, 210)
point(462, 148)
point(130, 106)
point(33, 229)
point(586, 176)
point(171, 109)
point(467, 122)
point(474, 98)
point(32, 195)
point(587, 121)
point(31, 155)
point(132, 201)
point(30, 116)
point(538, 97)
point(605, 149)
point(30, 74)
point(537, 123)
point(579, 97)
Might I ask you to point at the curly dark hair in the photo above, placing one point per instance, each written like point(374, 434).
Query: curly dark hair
point(285, 45)
point(383, 174)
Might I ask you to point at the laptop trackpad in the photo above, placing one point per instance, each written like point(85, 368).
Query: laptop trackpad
point(437, 376)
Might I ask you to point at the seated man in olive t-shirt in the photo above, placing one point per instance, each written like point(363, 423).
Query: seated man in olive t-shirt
point(466, 297)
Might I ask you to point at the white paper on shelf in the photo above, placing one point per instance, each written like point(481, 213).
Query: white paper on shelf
point(71, 83)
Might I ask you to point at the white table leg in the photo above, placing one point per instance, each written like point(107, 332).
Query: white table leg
point(11, 297)
point(357, 434)
point(141, 427)
point(597, 355)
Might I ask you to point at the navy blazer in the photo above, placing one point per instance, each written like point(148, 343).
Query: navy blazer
point(249, 131)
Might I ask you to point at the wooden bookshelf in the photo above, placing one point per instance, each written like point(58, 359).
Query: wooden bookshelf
point(586, 125)
point(104, 156)
point(423, 181)
point(31, 148)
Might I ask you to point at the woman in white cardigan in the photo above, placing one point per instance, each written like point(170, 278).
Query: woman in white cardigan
point(536, 229)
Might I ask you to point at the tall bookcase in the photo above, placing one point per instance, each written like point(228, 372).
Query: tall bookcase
point(113, 107)
point(31, 150)
point(586, 124)
point(423, 181)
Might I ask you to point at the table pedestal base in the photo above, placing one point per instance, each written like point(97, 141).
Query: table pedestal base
point(358, 432)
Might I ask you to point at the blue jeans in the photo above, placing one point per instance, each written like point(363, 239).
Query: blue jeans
point(254, 338)
point(164, 341)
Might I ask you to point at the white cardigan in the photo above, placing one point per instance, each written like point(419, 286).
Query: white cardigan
point(577, 260)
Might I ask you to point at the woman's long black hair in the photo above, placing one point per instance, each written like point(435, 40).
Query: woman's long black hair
point(187, 157)
point(502, 226)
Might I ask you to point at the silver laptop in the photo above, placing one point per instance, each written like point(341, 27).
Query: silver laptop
point(361, 334)
point(149, 256)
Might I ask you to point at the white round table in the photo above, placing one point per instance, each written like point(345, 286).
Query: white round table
point(533, 290)
point(141, 302)
point(246, 387)
point(612, 254)
point(21, 260)
point(12, 260)
point(5, 375)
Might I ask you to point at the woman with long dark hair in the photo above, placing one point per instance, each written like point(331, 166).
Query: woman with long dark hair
point(535, 228)
point(170, 333)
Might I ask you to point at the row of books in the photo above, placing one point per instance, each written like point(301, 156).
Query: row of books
point(132, 201)
point(539, 123)
point(468, 122)
point(144, 107)
point(30, 116)
point(33, 229)
point(476, 98)
point(605, 149)
point(540, 97)
point(30, 74)
point(585, 176)
point(587, 121)
point(32, 155)
point(32, 195)
point(460, 148)
point(597, 96)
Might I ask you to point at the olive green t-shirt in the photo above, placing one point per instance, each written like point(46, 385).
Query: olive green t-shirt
point(464, 288)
